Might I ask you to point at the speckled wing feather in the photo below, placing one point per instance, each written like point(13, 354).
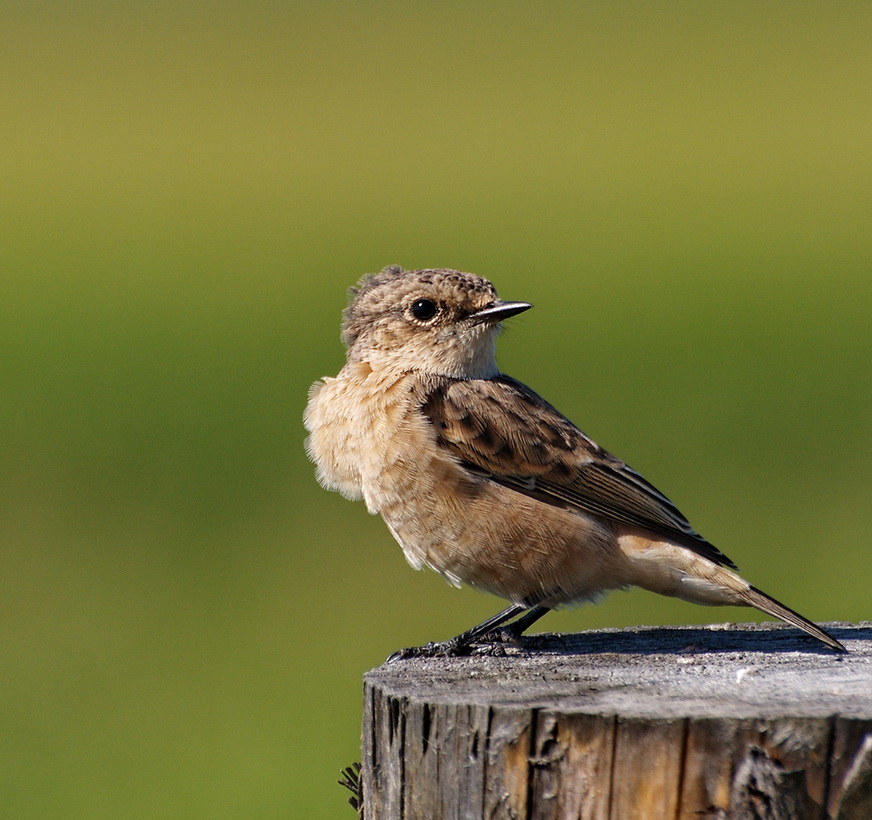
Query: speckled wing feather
point(500, 429)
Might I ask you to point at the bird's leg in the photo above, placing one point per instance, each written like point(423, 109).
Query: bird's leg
point(493, 630)
point(514, 630)
point(495, 640)
point(488, 627)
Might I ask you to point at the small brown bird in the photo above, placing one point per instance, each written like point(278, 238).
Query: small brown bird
point(481, 479)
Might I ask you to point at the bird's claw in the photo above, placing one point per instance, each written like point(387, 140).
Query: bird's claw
point(442, 649)
point(497, 643)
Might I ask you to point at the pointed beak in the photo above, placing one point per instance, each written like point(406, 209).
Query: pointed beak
point(499, 311)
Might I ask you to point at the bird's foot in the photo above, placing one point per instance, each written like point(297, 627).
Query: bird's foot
point(442, 649)
point(496, 643)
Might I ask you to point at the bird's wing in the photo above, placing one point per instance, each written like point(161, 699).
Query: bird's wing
point(500, 429)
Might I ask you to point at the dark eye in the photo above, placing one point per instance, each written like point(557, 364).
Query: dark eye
point(423, 309)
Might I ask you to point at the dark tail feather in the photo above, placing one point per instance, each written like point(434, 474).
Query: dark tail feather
point(760, 600)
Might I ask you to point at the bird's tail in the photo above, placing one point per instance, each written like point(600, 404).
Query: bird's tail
point(760, 600)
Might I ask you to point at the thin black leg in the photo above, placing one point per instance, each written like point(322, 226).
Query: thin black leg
point(470, 636)
point(523, 623)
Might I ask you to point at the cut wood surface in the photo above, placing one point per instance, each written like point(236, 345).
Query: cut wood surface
point(732, 721)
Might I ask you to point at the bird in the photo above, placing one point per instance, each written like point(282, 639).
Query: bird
point(482, 480)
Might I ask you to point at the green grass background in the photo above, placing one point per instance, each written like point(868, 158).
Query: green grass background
point(682, 190)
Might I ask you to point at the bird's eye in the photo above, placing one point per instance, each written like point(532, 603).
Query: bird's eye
point(423, 309)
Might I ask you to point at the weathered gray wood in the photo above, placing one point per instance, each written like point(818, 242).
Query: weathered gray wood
point(572, 766)
point(747, 721)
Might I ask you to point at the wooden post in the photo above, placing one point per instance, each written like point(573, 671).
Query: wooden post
point(748, 721)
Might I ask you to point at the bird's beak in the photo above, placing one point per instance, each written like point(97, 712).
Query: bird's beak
point(499, 311)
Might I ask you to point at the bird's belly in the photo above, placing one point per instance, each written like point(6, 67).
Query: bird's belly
point(473, 531)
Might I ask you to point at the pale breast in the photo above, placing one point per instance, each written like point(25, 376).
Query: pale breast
point(370, 441)
point(359, 437)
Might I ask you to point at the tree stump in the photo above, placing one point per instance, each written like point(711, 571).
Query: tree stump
point(747, 721)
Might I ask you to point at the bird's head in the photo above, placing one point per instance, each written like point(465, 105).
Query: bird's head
point(437, 321)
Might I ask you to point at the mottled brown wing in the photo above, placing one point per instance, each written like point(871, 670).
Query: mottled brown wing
point(500, 429)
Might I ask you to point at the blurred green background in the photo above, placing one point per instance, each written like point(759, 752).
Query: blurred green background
point(682, 190)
